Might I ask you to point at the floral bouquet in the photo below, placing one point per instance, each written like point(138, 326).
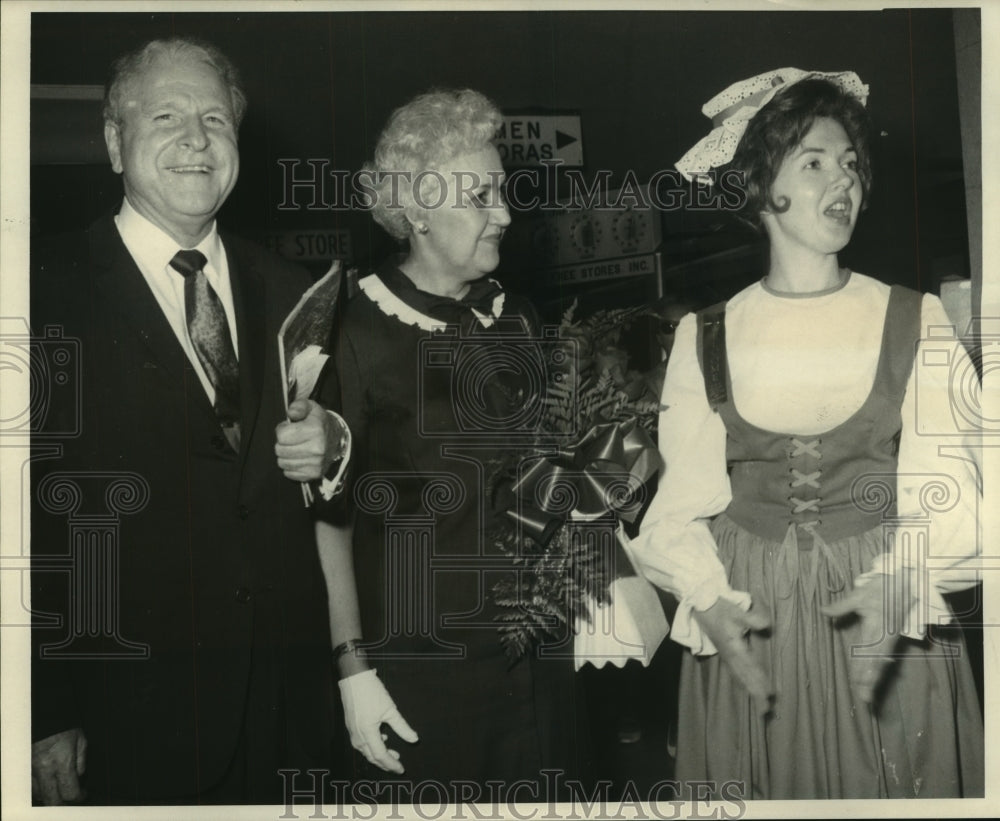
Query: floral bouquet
point(563, 502)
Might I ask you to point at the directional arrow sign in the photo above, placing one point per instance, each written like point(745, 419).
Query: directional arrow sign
point(528, 139)
point(564, 139)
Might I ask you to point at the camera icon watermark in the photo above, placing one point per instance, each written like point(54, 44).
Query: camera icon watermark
point(51, 363)
point(489, 386)
point(944, 365)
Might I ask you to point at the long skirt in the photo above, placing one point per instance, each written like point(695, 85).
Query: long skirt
point(921, 738)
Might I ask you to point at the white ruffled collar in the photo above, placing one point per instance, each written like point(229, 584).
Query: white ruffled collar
point(391, 305)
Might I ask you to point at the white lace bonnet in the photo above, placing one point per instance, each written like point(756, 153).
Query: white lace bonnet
point(732, 109)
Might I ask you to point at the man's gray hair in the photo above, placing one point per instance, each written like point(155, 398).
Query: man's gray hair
point(129, 66)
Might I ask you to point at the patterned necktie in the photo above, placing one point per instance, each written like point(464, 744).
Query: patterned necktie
point(209, 332)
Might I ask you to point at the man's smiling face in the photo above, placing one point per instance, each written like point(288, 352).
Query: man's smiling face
point(176, 145)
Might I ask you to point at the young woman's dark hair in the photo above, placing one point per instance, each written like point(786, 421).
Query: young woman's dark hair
point(781, 125)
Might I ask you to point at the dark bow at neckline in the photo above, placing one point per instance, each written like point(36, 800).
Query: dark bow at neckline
point(481, 295)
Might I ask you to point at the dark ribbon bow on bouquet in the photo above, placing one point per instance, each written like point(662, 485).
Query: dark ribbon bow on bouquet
point(598, 475)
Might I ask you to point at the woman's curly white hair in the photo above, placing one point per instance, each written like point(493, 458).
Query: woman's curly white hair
point(420, 136)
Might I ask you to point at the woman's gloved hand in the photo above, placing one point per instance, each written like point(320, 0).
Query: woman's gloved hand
point(367, 705)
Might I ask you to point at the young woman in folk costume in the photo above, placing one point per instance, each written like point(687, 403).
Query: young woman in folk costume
point(800, 461)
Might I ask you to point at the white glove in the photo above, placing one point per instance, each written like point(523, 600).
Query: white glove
point(367, 704)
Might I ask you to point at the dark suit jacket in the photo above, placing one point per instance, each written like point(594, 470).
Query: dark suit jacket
point(192, 563)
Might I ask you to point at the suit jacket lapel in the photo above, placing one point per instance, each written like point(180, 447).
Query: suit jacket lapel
point(250, 301)
point(124, 291)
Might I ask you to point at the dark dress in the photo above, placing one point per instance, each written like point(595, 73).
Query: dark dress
point(428, 409)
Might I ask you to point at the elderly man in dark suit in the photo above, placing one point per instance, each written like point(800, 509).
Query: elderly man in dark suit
point(185, 656)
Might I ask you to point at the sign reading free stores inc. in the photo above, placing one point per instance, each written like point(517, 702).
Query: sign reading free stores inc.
point(528, 139)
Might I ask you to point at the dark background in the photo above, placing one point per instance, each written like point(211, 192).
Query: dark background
point(321, 85)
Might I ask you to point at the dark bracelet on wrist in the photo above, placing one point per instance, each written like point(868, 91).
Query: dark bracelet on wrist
point(349, 646)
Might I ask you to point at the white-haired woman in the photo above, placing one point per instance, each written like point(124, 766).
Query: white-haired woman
point(429, 393)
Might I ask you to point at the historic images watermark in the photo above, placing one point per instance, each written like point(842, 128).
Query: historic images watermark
point(313, 185)
point(943, 367)
point(91, 502)
point(551, 797)
point(462, 368)
point(488, 410)
point(51, 362)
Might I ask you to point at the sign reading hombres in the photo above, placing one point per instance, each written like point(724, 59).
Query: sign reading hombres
point(528, 139)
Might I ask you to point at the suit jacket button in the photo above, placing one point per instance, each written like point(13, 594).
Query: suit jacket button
point(218, 441)
point(244, 512)
point(243, 595)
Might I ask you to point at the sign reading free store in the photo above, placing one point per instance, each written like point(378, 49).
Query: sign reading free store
point(310, 245)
